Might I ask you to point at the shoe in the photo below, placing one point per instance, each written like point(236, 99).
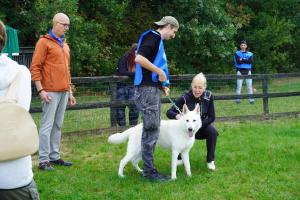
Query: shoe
point(46, 166)
point(251, 101)
point(61, 162)
point(156, 176)
point(238, 101)
point(166, 177)
point(211, 166)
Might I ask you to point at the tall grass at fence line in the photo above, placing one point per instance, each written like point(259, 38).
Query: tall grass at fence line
point(255, 160)
point(79, 120)
point(89, 119)
point(291, 84)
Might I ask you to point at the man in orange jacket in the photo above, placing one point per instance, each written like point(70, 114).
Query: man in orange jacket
point(50, 71)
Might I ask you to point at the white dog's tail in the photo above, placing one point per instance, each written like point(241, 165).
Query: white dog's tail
point(118, 138)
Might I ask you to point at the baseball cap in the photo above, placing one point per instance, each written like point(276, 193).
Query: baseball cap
point(168, 20)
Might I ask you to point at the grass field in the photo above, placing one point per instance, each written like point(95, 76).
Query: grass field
point(255, 160)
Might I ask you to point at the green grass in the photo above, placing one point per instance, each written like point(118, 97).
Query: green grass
point(255, 160)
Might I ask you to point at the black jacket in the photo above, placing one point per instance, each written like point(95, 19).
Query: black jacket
point(122, 69)
point(206, 102)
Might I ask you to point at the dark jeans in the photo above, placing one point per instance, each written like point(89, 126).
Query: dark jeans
point(28, 192)
point(125, 93)
point(210, 134)
point(147, 99)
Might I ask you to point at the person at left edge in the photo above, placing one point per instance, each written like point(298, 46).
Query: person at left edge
point(50, 71)
point(16, 176)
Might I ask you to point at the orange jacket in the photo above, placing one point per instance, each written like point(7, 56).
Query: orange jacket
point(51, 64)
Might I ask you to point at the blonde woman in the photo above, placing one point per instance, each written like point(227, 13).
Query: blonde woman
point(199, 94)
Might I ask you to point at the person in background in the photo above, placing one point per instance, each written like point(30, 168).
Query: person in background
point(125, 91)
point(205, 98)
point(50, 70)
point(151, 76)
point(16, 176)
point(243, 60)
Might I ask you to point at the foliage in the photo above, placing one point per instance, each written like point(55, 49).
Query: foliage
point(271, 32)
point(204, 41)
point(101, 31)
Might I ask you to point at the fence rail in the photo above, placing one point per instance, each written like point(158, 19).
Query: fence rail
point(107, 99)
point(105, 88)
point(25, 56)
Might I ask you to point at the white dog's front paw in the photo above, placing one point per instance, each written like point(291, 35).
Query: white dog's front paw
point(173, 177)
point(140, 170)
point(189, 174)
point(121, 175)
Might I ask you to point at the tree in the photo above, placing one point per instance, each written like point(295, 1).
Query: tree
point(270, 32)
point(205, 37)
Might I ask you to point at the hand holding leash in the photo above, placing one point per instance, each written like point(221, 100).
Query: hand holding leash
point(176, 107)
point(166, 90)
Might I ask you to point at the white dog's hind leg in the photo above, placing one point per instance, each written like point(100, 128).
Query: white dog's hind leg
point(123, 163)
point(135, 163)
point(186, 162)
point(174, 164)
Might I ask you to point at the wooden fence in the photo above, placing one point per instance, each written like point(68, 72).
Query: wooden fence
point(265, 95)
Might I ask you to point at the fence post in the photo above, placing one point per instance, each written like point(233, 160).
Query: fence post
point(113, 98)
point(265, 95)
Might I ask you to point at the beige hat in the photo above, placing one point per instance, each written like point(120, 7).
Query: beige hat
point(167, 20)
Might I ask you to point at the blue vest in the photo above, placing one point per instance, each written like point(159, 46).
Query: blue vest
point(245, 55)
point(160, 61)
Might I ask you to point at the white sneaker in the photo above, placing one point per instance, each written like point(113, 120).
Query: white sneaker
point(179, 162)
point(211, 166)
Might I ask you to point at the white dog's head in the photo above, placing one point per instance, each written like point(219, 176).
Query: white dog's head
point(192, 120)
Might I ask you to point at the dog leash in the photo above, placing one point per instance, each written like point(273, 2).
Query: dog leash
point(173, 104)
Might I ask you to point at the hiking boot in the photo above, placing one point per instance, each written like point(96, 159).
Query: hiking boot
point(165, 177)
point(238, 101)
point(156, 176)
point(45, 166)
point(61, 162)
point(211, 166)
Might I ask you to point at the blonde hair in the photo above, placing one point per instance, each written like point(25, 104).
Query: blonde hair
point(201, 78)
point(2, 35)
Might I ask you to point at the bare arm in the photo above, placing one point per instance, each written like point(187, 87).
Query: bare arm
point(145, 63)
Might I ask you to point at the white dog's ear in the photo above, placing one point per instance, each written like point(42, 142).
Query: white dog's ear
point(185, 109)
point(197, 108)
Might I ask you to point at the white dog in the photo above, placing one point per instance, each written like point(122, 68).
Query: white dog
point(176, 135)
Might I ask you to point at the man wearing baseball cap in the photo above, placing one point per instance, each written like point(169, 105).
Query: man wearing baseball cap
point(151, 76)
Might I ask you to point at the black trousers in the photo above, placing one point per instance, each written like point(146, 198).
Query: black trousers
point(209, 134)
